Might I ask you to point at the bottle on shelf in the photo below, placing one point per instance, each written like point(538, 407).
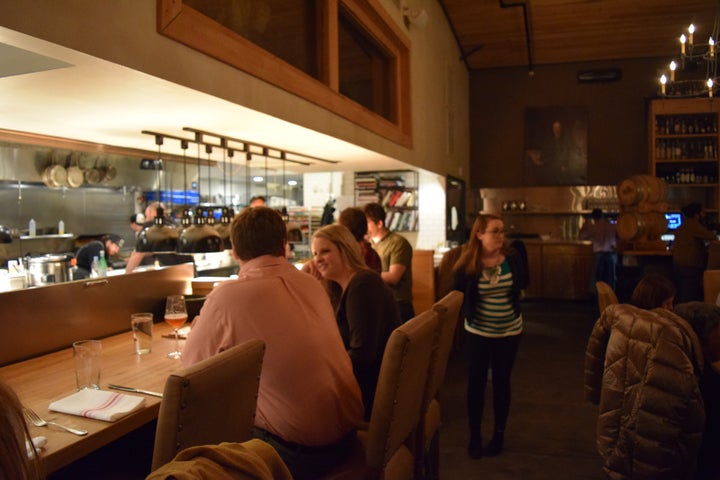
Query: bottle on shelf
point(61, 228)
point(32, 228)
point(102, 265)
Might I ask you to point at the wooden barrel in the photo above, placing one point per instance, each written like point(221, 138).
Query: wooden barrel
point(638, 189)
point(639, 226)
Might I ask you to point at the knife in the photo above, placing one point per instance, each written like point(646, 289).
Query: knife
point(135, 390)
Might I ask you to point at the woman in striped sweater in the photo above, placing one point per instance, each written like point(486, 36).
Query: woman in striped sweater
point(492, 277)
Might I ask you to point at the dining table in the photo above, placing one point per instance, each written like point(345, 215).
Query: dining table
point(41, 380)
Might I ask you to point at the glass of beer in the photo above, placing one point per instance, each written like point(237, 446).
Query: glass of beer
point(175, 316)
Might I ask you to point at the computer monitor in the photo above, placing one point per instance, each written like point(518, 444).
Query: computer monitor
point(674, 220)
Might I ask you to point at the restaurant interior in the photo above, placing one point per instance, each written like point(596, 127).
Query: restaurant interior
point(320, 106)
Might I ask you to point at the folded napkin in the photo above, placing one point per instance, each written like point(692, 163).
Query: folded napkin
point(98, 404)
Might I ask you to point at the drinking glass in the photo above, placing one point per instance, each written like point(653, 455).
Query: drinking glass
point(175, 316)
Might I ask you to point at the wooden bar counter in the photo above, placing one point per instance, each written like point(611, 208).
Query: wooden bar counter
point(44, 379)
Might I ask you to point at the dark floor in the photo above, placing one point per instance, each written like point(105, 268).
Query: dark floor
point(551, 428)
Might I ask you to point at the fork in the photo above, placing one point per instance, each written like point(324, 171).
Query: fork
point(40, 422)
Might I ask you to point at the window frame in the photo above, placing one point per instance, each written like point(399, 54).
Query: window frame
point(190, 27)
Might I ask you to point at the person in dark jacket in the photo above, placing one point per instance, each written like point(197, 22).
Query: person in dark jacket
point(705, 321)
point(492, 277)
point(110, 244)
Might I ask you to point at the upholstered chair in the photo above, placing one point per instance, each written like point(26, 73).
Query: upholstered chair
point(384, 450)
point(210, 402)
point(427, 445)
point(606, 296)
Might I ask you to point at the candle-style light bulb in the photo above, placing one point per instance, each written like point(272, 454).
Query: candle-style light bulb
point(673, 67)
point(691, 30)
point(663, 81)
point(683, 39)
point(711, 42)
point(710, 87)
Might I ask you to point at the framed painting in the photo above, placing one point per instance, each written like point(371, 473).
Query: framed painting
point(556, 146)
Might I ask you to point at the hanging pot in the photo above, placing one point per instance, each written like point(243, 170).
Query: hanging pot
point(54, 176)
point(110, 172)
point(75, 175)
point(94, 175)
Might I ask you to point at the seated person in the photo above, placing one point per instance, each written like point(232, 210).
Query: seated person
point(653, 291)
point(353, 219)
point(642, 369)
point(309, 403)
point(109, 244)
point(705, 320)
point(364, 306)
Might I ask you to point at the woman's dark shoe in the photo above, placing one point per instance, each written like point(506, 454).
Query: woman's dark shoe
point(475, 449)
point(495, 447)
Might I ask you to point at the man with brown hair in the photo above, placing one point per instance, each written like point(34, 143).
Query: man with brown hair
point(396, 257)
point(309, 402)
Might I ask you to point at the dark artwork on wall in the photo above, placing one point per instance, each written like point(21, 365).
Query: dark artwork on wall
point(556, 146)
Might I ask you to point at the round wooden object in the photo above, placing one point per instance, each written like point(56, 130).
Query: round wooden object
point(638, 189)
point(637, 226)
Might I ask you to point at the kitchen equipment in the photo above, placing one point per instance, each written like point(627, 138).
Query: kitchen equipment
point(75, 176)
point(54, 175)
point(110, 172)
point(48, 269)
point(94, 175)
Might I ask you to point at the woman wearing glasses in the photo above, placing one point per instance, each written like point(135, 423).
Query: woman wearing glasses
point(491, 276)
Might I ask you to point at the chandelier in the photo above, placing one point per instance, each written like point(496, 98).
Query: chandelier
point(694, 74)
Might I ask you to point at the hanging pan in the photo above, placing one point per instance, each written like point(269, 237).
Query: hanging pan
point(75, 175)
point(94, 175)
point(110, 172)
point(55, 175)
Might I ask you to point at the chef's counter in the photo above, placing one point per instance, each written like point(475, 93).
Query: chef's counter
point(44, 319)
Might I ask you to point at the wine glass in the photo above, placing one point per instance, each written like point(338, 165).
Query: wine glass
point(175, 316)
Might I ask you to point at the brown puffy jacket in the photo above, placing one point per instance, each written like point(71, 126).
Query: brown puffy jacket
point(642, 368)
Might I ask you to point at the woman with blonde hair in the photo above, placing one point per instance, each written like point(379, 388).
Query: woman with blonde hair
point(492, 277)
point(18, 457)
point(365, 309)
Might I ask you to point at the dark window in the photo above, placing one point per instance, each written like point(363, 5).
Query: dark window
point(364, 66)
point(285, 28)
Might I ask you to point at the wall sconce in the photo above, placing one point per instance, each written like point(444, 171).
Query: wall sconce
point(416, 16)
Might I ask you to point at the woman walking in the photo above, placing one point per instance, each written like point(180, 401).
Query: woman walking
point(492, 277)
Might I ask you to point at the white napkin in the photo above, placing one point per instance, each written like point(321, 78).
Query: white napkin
point(98, 404)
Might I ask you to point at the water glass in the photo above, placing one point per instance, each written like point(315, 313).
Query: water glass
point(142, 330)
point(87, 354)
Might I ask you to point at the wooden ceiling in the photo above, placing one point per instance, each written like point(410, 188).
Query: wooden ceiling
point(565, 31)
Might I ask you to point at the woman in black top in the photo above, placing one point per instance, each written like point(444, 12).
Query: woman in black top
point(365, 309)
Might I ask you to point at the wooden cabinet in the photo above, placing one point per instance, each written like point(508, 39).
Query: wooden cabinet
point(683, 144)
point(396, 191)
point(534, 254)
point(566, 270)
point(559, 270)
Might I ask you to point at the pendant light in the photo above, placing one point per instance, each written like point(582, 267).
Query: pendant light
point(200, 237)
point(223, 227)
point(159, 237)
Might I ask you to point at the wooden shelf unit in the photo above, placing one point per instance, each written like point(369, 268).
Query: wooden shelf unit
point(683, 150)
point(396, 191)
